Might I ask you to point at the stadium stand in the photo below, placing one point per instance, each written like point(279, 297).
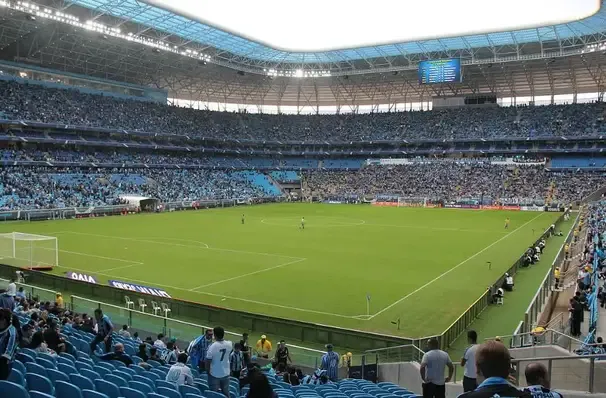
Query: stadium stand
point(25, 102)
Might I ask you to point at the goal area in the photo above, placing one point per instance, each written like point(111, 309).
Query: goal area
point(37, 252)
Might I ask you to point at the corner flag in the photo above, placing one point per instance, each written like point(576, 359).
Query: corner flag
point(367, 303)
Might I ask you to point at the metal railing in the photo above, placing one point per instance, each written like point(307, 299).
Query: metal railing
point(537, 303)
point(184, 331)
point(154, 324)
point(400, 353)
point(459, 326)
point(576, 373)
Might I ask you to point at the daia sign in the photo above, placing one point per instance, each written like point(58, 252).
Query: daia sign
point(78, 276)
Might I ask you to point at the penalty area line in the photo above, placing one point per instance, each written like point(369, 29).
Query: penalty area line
point(248, 274)
point(452, 269)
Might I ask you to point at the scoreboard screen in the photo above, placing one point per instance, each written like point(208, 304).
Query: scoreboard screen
point(440, 71)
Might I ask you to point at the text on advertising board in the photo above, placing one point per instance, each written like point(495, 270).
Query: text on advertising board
point(78, 276)
point(139, 288)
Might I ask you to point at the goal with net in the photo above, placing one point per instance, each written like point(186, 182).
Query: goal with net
point(30, 251)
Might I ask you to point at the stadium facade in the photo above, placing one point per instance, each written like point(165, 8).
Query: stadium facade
point(138, 43)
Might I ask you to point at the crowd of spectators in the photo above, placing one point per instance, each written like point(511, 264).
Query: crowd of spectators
point(453, 180)
point(30, 328)
point(67, 106)
point(47, 187)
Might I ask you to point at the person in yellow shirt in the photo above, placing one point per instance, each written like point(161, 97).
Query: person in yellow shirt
point(576, 235)
point(556, 276)
point(566, 250)
point(59, 300)
point(263, 347)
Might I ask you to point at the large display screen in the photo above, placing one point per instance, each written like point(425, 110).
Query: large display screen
point(440, 71)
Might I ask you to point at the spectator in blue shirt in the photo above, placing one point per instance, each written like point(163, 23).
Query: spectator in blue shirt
point(330, 363)
point(8, 343)
point(198, 347)
point(20, 293)
point(104, 331)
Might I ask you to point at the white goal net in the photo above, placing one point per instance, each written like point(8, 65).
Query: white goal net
point(29, 250)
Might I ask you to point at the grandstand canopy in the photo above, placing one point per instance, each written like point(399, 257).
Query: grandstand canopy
point(320, 25)
point(134, 41)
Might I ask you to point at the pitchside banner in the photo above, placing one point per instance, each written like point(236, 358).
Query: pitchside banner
point(78, 276)
point(139, 288)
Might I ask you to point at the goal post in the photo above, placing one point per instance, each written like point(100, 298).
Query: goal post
point(411, 201)
point(29, 250)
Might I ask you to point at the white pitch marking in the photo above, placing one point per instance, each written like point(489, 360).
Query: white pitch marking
point(206, 247)
point(452, 269)
point(102, 257)
point(148, 283)
point(249, 274)
point(123, 267)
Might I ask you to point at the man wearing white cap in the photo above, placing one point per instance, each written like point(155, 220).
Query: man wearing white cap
point(263, 347)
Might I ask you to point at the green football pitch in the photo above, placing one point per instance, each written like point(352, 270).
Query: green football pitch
point(423, 266)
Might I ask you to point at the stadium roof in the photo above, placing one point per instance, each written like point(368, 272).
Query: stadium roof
point(189, 28)
point(119, 40)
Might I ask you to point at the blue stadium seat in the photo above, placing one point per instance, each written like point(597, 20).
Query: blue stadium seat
point(13, 390)
point(189, 390)
point(82, 382)
point(25, 358)
point(128, 370)
point(36, 382)
point(166, 384)
point(154, 395)
point(143, 387)
point(154, 364)
point(144, 380)
point(83, 365)
point(131, 393)
point(213, 394)
point(38, 394)
point(33, 367)
point(67, 369)
point(65, 361)
point(29, 351)
point(16, 377)
point(190, 395)
point(48, 357)
point(137, 369)
point(90, 374)
point(152, 376)
point(117, 380)
point(57, 375)
point(117, 364)
point(67, 390)
point(93, 394)
point(17, 364)
point(106, 365)
point(67, 356)
point(107, 388)
point(201, 386)
point(101, 371)
point(120, 373)
point(172, 393)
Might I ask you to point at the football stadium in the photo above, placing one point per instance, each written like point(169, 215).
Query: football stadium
point(202, 199)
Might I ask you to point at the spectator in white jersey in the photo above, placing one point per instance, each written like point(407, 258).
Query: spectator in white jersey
point(469, 362)
point(538, 381)
point(180, 373)
point(217, 362)
point(171, 354)
point(159, 343)
point(124, 331)
point(433, 365)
